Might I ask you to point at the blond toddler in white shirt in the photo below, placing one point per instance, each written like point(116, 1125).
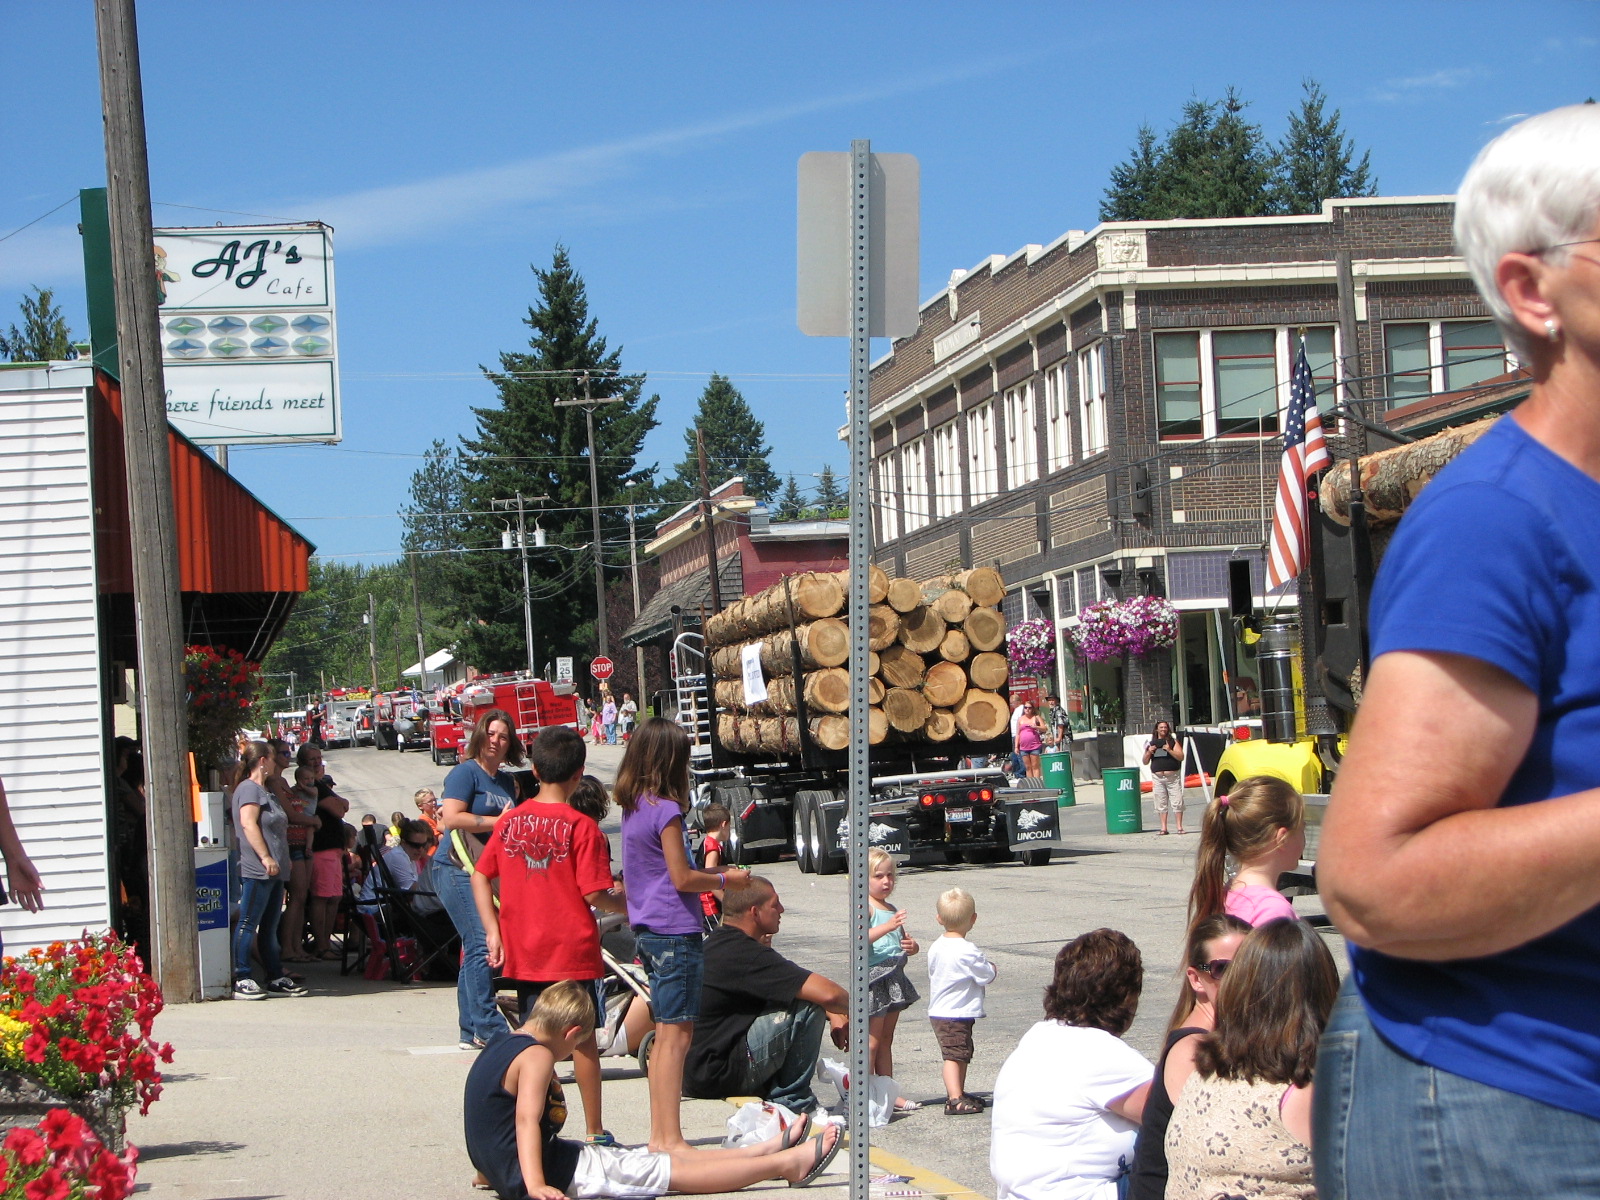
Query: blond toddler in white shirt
point(958, 972)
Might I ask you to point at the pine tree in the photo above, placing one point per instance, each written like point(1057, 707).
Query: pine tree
point(1316, 161)
point(44, 336)
point(831, 498)
point(435, 522)
point(1215, 164)
point(1134, 184)
point(733, 447)
point(527, 444)
point(791, 505)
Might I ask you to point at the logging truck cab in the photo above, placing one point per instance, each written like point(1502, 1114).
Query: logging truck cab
point(1311, 677)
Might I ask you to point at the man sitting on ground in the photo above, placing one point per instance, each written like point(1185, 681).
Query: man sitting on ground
point(761, 1016)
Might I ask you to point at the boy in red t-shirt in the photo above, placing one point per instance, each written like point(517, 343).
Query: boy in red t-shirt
point(552, 864)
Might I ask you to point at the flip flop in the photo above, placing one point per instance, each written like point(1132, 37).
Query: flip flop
point(824, 1157)
point(797, 1132)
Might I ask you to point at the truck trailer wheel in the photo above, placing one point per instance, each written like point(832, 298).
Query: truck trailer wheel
point(801, 825)
point(824, 862)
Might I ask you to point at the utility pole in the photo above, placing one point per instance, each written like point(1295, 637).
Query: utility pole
point(416, 607)
point(588, 405)
point(527, 587)
point(633, 565)
point(163, 728)
point(705, 515)
point(372, 640)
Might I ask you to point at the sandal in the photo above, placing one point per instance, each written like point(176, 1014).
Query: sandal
point(604, 1138)
point(824, 1156)
point(962, 1106)
point(797, 1132)
point(903, 1105)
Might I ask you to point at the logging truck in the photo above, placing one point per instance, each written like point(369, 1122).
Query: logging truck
point(772, 674)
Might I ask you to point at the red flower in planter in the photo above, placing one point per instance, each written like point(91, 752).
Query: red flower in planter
point(26, 1146)
point(51, 1185)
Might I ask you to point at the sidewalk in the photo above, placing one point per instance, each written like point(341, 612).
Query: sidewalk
point(355, 1092)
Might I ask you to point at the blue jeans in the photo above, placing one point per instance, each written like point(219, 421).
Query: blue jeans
point(675, 964)
point(783, 1053)
point(260, 907)
point(611, 734)
point(475, 1008)
point(1385, 1125)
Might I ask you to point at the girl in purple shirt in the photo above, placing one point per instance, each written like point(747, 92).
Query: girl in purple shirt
point(663, 892)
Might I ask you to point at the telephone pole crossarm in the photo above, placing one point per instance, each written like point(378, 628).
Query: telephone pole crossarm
point(589, 404)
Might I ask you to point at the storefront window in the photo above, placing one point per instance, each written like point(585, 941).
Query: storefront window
point(1197, 671)
point(1075, 694)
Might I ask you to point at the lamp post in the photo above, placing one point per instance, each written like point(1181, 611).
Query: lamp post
point(589, 404)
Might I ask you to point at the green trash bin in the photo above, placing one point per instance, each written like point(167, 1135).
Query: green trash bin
point(1057, 768)
point(1124, 806)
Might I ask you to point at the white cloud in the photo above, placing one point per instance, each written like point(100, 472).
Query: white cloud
point(401, 212)
point(1413, 87)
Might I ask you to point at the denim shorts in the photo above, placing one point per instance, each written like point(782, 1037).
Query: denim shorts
point(674, 963)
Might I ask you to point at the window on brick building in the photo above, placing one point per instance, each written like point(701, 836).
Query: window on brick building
point(946, 470)
point(1022, 435)
point(983, 476)
point(886, 495)
point(1179, 412)
point(1244, 363)
point(1425, 357)
point(1058, 419)
point(1322, 359)
point(914, 481)
point(1473, 352)
point(1093, 398)
point(1410, 360)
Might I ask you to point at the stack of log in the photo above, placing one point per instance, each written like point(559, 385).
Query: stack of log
point(937, 665)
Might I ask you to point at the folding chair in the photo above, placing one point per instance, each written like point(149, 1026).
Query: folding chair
point(438, 944)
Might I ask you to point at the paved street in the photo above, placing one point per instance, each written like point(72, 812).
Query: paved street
point(376, 1059)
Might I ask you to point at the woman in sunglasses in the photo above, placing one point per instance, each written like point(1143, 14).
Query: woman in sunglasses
point(1242, 1125)
point(1212, 945)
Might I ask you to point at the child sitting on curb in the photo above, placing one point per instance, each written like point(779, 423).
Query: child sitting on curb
point(514, 1110)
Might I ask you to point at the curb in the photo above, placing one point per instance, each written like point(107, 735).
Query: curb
point(928, 1182)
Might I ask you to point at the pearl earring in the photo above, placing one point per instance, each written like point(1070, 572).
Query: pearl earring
point(1551, 329)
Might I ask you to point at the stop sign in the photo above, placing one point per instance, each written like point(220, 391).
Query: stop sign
point(602, 667)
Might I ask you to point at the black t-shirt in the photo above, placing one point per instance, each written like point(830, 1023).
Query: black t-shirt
point(330, 834)
point(743, 979)
point(1149, 1178)
point(1163, 759)
point(491, 1119)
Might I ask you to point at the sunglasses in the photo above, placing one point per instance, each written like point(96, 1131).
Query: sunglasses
point(1216, 967)
point(418, 845)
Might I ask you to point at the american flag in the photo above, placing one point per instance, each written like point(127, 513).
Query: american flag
point(1304, 452)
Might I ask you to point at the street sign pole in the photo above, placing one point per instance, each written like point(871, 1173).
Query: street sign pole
point(857, 242)
point(860, 560)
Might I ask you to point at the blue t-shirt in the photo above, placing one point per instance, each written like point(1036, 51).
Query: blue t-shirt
point(485, 795)
point(1499, 560)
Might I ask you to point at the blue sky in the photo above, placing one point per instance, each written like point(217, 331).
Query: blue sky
point(451, 146)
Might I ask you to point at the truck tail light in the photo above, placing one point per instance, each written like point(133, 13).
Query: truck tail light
point(927, 800)
point(744, 815)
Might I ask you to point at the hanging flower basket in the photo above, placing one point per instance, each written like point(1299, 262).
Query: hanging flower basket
point(1138, 626)
point(1031, 648)
point(221, 687)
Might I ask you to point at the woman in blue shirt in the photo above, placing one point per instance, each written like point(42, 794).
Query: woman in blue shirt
point(476, 792)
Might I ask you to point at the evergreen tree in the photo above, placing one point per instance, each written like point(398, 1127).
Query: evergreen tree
point(527, 444)
point(1132, 194)
point(791, 505)
point(1316, 161)
point(733, 447)
point(44, 335)
point(1215, 164)
point(831, 498)
point(435, 522)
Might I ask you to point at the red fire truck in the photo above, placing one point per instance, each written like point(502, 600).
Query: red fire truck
point(533, 704)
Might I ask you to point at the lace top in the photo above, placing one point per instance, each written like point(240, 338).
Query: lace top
point(1227, 1137)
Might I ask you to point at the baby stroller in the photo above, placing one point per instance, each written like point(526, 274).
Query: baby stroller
point(628, 1025)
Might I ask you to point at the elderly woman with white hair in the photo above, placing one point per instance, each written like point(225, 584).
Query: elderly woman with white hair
point(1461, 851)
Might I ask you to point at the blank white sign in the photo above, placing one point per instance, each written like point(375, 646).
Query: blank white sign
point(824, 227)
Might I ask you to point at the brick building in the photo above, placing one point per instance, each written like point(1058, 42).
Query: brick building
point(1099, 417)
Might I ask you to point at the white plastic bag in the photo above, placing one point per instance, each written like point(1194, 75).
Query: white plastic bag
point(881, 1096)
point(755, 1123)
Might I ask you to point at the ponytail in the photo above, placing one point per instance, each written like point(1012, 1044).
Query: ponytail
point(1242, 824)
